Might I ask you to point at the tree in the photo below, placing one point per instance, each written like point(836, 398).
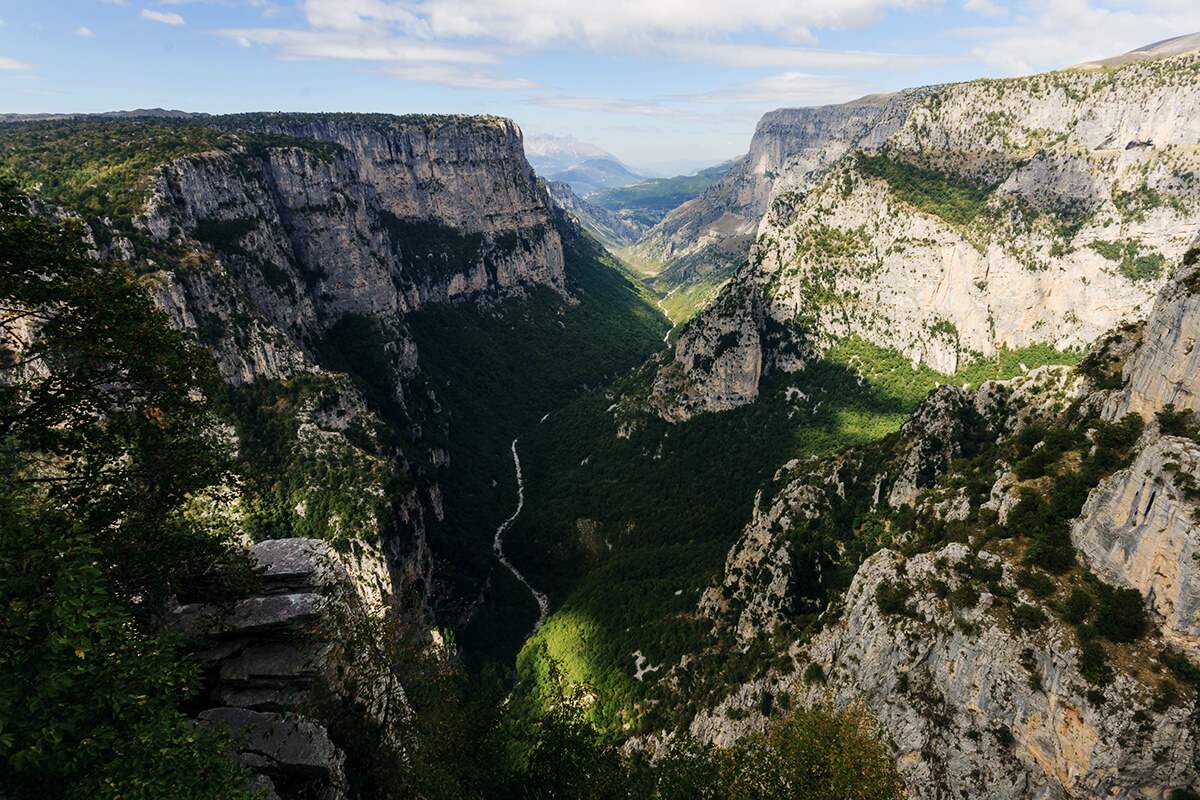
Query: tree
point(106, 437)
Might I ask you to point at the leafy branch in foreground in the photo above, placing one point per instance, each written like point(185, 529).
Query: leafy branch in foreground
point(105, 442)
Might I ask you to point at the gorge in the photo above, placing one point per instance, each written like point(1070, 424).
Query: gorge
point(878, 453)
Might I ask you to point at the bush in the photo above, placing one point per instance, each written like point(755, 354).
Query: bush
point(965, 596)
point(1027, 617)
point(1121, 614)
point(814, 673)
point(1093, 664)
point(1176, 423)
point(892, 598)
point(1036, 583)
point(1076, 607)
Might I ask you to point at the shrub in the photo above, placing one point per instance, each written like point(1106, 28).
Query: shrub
point(1077, 606)
point(814, 673)
point(1120, 614)
point(892, 598)
point(965, 596)
point(1176, 423)
point(1093, 664)
point(1027, 617)
point(1035, 582)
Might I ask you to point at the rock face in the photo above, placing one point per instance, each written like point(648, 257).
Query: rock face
point(268, 653)
point(608, 226)
point(977, 679)
point(713, 232)
point(310, 239)
point(992, 214)
point(371, 216)
point(1166, 368)
point(1141, 528)
point(975, 706)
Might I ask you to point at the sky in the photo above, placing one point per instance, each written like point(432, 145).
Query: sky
point(657, 82)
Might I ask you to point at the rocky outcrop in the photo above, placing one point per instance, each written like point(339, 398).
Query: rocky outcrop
point(608, 226)
point(996, 214)
point(1141, 528)
point(974, 704)
point(789, 149)
point(362, 215)
point(1165, 368)
point(270, 655)
point(967, 658)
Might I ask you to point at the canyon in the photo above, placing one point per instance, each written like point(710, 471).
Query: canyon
point(925, 443)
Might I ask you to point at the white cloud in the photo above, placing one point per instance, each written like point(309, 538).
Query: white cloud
point(165, 17)
point(599, 23)
point(13, 65)
point(1050, 34)
point(751, 55)
point(357, 46)
point(985, 8)
point(85, 32)
point(457, 78)
point(792, 89)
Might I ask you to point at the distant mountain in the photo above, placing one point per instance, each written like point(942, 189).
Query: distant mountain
point(160, 113)
point(587, 167)
point(1175, 46)
point(595, 174)
point(649, 201)
point(550, 154)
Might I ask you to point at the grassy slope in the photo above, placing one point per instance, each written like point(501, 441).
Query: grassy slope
point(496, 373)
point(670, 500)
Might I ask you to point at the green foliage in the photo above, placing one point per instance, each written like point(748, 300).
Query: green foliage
point(1182, 667)
point(814, 673)
point(1178, 423)
point(954, 199)
point(106, 447)
point(1077, 605)
point(1093, 663)
point(617, 589)
point(892, 598)
point(103, 167)
point(501, 370)
point(1027, 617)
point(649, 201)
point(1135, 203)
point(1038, 584)
point(1132, 262)
point(1045, 521)
point(1120, 614)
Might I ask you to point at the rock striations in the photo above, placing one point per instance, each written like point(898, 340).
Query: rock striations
point(964, 656)
point(957, 221)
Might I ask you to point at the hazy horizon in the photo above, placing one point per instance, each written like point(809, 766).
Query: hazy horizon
point(665, 87)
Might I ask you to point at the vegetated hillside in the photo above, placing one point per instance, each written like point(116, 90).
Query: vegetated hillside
point(148, 651)
point(707, 238)
point(997, 213)
point(373, 340)
point(1004, 623)
point(496, 372)
point(648, 201)
point(628, 518)
point(613, 229)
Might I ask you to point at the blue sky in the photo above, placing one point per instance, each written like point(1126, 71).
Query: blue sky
point(674, 80)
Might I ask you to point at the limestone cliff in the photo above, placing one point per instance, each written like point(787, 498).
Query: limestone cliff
point(994, 214)
point(989, 675)
point(608, 226)
point(790, 148)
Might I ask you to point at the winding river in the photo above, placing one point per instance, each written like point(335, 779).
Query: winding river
point(498, 544)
